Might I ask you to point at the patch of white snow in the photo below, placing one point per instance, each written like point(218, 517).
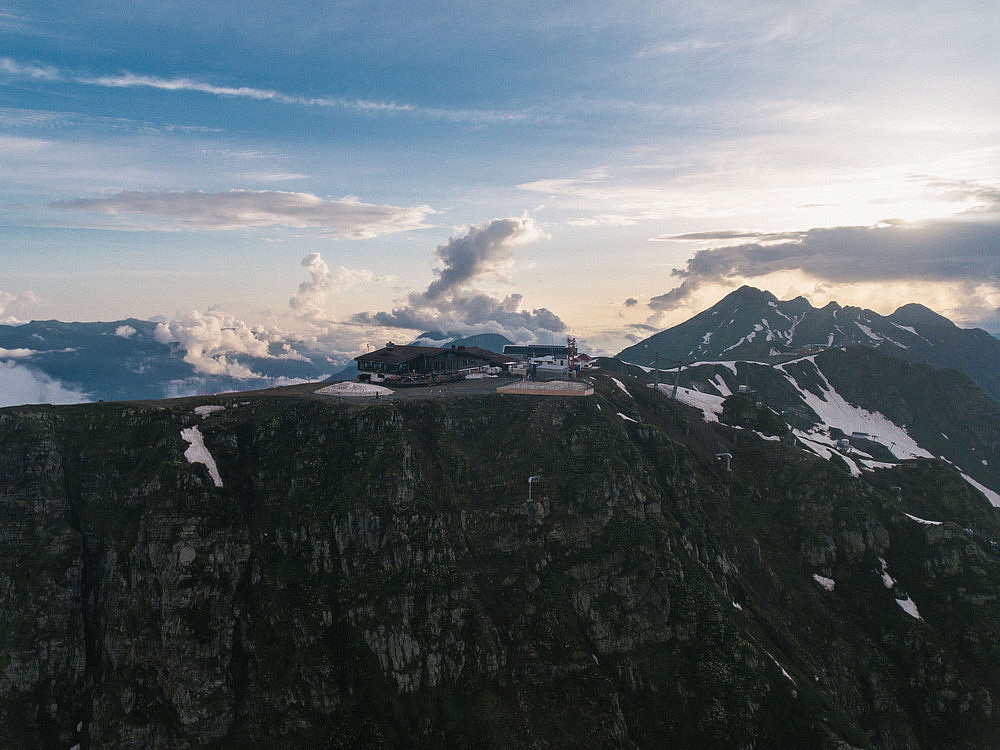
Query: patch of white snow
point(622, 386)
point(827, 583)
point(834, 411)
point(711, 406)
point(887, 580)
point(993, 497)
point(204, 411)
point(721, 386)
point(627, 418)
point(910, 607)
point(197, 453)
point(923, 520)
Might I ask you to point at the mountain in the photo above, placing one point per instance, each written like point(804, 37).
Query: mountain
point(123, 360)
point(493, 342)
point(898, 409)
point(273, 569)
point(750, 324)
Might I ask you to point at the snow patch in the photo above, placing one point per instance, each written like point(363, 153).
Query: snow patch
point(887, 580)
point(834, 411)
point(992, 496)
point(910, 607)
point(711, 406)
point(622, 386)
point(923, 520)
point(204, 411)
point(827, 583)
point(721, 386)
point(197, 453)
point(627, 418)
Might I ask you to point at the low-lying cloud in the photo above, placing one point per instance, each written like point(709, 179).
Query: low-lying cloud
point(20, 384)
point(347, 217)
point(450, 305)
point(14, 307)
point(213, 341)
point(963, 251)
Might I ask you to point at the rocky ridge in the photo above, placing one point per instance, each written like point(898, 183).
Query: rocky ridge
point(374, 576)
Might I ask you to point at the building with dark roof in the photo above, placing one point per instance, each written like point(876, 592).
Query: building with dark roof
point(424, 364)
point(531, 351)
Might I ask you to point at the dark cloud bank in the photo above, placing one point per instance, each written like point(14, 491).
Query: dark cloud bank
point(966, 251)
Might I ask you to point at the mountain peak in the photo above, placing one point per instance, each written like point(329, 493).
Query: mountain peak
point(919, 315)
point(746, 294)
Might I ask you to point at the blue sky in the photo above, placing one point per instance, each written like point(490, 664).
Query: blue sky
point(332, 171)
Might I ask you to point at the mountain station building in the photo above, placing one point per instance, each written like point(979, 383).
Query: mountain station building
point(423, 365)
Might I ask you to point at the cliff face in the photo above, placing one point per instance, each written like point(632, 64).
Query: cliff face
point(376, 577)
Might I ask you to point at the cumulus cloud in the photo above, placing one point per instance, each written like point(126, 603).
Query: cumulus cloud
point(24, 385)
point(449, 304)
point(125, 331)
point(13, 307)
point(631, 302)
point(347, 217)
point(213, 341)
point(310, 301)
point(486, 249)
point(963, 251)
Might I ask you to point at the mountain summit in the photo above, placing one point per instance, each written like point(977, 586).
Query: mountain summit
point(751, 324)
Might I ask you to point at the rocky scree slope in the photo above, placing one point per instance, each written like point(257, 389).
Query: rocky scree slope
point(374, 576)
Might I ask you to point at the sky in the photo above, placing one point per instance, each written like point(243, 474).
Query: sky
point(345, 174)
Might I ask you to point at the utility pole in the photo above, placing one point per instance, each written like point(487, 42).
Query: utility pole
point(532, 480)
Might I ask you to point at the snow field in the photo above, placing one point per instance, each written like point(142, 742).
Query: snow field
point(197, 453)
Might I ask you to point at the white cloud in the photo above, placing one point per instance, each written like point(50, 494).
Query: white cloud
point(211, 342)
point(347, 217)
point(14, 306)
point(23, 385)
point(361, 106)
point(125, 331)
point(310, 301)
point(16, 353)
point(450, 305)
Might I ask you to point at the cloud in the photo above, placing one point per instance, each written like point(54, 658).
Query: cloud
point(450, 305)
point(38, 72)
point(24, 385)
point(14, 306)
point(242, 209)
point(631, 302)
point(19, 353)
point(128, 80)
point(483, 250)
point(212, 341)
point(963, 251)
point(125, 331)
point(310, 301)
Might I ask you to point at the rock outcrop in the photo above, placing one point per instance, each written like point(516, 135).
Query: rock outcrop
point(375, 576)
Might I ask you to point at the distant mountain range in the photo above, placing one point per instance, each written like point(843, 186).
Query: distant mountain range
point(750, 324)
point(52, 361)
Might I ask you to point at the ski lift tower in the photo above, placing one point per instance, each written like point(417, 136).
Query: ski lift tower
point(681, 364)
